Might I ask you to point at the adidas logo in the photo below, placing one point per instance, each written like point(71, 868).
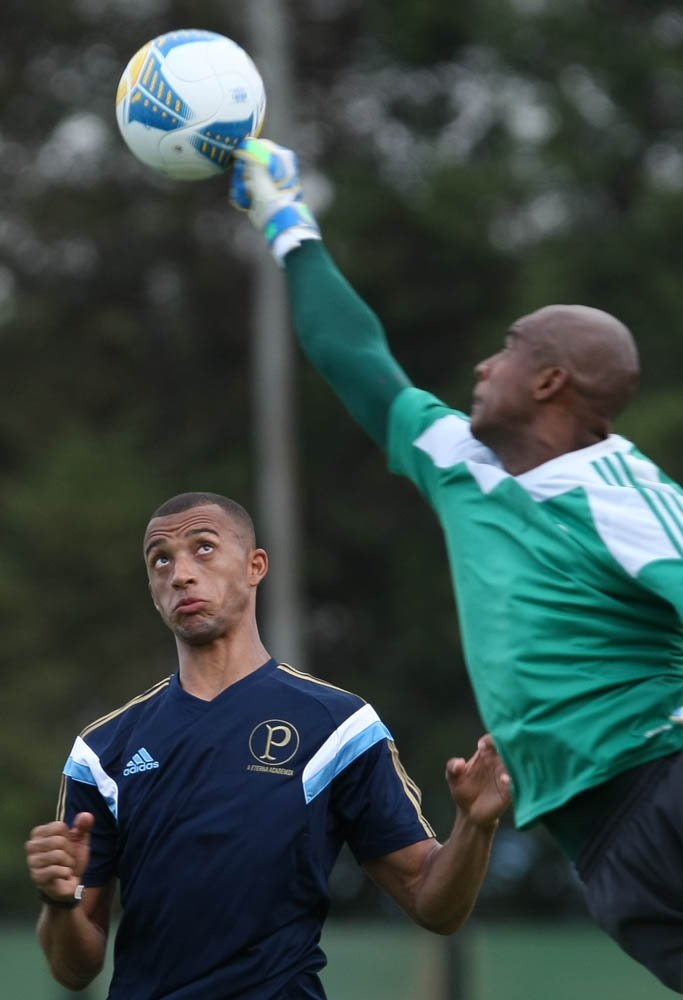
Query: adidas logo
point(141, 761)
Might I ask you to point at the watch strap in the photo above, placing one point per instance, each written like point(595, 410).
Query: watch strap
point(63, 904)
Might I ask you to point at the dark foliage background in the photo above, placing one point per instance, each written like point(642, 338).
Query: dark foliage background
point(480, 159)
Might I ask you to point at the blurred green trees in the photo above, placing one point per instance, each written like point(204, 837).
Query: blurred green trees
point(482, 160)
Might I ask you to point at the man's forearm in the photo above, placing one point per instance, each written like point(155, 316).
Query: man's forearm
point(74, 946)
point(343, 338)
point(340, 334)
point(452, 877)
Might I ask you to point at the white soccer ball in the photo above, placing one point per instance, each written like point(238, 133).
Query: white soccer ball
point(186, 99)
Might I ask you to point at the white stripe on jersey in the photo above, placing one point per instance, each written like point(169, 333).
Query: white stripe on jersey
point(449, 441)
point(638, 517)
point(83, 765)
point(632, 533)
point(356, 735)
point(632, 509)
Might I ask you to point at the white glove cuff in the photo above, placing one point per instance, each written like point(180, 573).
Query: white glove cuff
point(290, 239)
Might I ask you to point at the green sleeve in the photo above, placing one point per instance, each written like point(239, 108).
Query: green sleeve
point(343, 338)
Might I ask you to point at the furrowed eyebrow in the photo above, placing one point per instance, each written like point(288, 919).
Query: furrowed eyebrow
point(152, 545)
point(157, 542)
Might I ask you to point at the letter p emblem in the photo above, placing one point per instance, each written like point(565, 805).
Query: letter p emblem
point(274, 742)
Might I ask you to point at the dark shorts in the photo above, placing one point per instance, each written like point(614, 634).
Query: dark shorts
point(633, 872)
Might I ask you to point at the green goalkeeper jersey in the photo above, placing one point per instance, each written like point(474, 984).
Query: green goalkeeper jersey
point(569, 584)
point(568, 578)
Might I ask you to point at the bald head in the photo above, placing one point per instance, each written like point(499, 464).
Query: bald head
point(596, 349)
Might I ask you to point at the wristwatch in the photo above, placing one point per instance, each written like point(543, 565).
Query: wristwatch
point(63, 904)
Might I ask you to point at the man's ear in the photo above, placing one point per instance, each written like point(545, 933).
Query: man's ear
point(549, 382)
point(259, 566)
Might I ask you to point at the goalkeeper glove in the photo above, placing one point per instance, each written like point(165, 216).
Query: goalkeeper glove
point(266, 185)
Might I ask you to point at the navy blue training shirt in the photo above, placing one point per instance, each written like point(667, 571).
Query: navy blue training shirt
point(222, 821)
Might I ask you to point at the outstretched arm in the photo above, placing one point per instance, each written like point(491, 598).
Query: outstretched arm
point(73, 937)
point(337, 330)
point(343, 338)
point(438, 884)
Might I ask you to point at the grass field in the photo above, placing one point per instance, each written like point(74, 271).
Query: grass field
point(396, 962)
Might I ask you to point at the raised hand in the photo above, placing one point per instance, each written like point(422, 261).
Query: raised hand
point(266, 185)
point(480, 786)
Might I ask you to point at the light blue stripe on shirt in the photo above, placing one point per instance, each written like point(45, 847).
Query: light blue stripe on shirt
point(351, 750)
point(84, 765)
point(79, 772)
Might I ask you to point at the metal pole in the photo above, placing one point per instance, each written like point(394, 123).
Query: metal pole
point(459, 985)
point(273, 395)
